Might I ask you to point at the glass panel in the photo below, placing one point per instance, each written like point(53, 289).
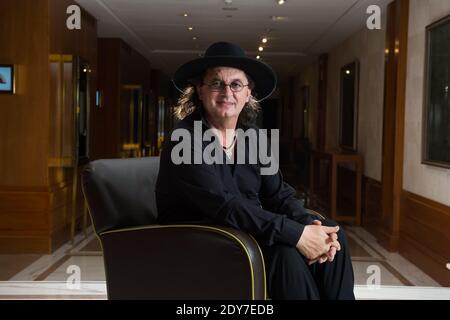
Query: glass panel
point(131, 121)
point(82, 109)
point(349, 105)
point(437, 135)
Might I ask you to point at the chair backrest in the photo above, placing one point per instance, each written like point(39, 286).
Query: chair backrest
point(121, 192)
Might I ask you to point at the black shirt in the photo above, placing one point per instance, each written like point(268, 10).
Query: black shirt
point(230, 195)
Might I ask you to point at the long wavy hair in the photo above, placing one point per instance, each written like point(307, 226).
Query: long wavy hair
point(189, 102)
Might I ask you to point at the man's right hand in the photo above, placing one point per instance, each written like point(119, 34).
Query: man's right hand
point(315, 242)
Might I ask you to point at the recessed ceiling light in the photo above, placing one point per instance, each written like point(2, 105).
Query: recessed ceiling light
point(185, 14)
point(260, 49)
point(347, 71)
point(264, 40)
point(190, 28)
point(257, 57)
point(280, 2)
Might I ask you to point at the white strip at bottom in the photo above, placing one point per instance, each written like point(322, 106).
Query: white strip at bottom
point(401, 293)
point(31, 288)
point(98, 288)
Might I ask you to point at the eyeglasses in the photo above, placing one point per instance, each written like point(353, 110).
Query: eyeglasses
point(235, 86)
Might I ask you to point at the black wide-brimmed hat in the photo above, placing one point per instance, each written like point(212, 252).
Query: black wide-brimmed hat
point(225, 54)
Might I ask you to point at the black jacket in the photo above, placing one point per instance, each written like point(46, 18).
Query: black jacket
point(230, 195)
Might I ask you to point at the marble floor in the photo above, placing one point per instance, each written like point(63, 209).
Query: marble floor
point(379, 274)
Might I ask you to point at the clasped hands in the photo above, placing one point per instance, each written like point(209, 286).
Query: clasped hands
point(319, 243)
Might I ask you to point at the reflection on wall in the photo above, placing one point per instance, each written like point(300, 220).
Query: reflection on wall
point(62, 113)
point(131, 115)
point(148, 126)
point(82, 93)
point(161, 118)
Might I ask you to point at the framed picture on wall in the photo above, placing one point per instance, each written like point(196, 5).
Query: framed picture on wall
point(348, 126)
point(6, 78)
point(436, 107)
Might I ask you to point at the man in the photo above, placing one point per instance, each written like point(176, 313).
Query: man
point(306, 257)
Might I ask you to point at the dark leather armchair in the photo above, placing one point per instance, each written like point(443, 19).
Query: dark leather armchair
point(144, 260)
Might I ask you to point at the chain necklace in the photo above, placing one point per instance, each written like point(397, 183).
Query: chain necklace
point(231, 144)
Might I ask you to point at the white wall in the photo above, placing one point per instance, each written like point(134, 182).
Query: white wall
point(425, 180)
point(366, 46)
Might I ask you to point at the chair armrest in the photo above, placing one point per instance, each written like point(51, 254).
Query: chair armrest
point(182, 262)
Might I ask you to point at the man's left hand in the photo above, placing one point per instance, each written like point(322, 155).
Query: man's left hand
point(329, 256)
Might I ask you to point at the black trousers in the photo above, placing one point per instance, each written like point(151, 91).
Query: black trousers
point(290, 277)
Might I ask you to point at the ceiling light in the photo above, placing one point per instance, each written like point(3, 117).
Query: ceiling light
point(185, 14)
point(257, 57)
point(347, 71)
point(264, 40)
point(278, 18)
point(194, 38)
point(260, 49)
point(190, 28)
point(280, 2)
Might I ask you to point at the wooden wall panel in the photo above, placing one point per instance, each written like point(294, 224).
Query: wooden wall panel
point(33, 195)
point(24, 115)
point(81, 42)
point(135, 68)
point(105, 133)
point(425, 235)
point(24, 221)
point(387, 226)
point(24, 119)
